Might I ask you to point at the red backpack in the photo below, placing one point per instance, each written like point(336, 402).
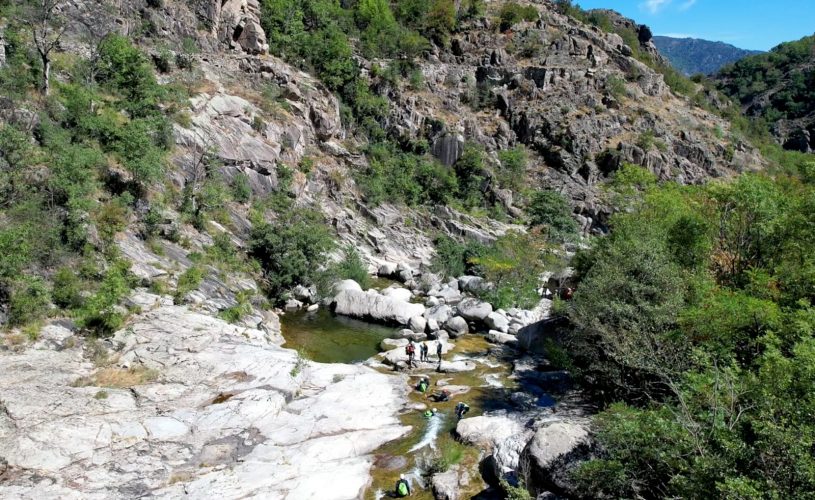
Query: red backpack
point(410, 349)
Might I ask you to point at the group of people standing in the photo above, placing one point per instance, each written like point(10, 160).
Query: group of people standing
point(424, 352)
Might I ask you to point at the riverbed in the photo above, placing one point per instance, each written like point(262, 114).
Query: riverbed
point(324, 337)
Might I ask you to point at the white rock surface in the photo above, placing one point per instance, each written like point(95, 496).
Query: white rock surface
point(374, 306)
point(555, 440)
point(487, 431)
point(230, 415)
point(474, 310)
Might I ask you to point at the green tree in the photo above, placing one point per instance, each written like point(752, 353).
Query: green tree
point(291, 249)
point(550, 209)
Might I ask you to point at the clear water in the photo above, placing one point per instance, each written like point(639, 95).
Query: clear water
point(327, 338)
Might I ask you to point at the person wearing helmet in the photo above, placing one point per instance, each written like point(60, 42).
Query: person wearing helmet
point(402, 487)
point(424, 384)
point(429, 413)
point(461, 409)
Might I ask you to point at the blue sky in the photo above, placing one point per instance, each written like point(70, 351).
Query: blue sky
point(749, 24)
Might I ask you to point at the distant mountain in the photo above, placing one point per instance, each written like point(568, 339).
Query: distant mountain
point(692, 56)
point(779, 87)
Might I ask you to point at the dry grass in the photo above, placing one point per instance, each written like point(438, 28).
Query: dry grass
point(118, 377)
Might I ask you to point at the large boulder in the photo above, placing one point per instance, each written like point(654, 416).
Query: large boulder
point(418, 324)
point(553, 452)
point(398, 293)
point(440, 313)
point(472, 284)
point(475, 310)
point(371, 305)
point(456, 326)
point(346, 285)
point(497, 321)
point(447, 485)
point(487, 431)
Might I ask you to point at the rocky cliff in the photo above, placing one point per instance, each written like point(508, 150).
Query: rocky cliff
point(180, 403)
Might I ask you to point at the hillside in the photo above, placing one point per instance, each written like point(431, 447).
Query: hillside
point(692, 56)
point(200, 199)
point(778, 88)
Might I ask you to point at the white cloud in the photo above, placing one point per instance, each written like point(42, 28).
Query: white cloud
point(654, 6)
point(687, 5)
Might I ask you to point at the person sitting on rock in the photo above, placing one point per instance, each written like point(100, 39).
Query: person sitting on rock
point(423, 385)
point(461, 409)
point(442, 395)
point(402, 487)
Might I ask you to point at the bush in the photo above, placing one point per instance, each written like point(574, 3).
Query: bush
point(29, 301)
point(67, 289)
point(550, 209)
point(354, 268)
point(188, 281)
point(290, 249)
point(512, 13)
point(454, 259)
point(513, 264)
point(101, 313)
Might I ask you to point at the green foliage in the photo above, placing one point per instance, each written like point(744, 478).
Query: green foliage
point(67, 291)
point(29, 301)
point(352, 267)
point(512, 13)
point(454, 259)
point(471, 172)
point(101, 313)
point(188, 281)
point(513, 167)
point(396, 176)
point(550, 209)
point(695, 313)
point(513, 264)
point(518, 492)
point(237, 312)
point(126, 70)
point(290, 249)
point(788, 64)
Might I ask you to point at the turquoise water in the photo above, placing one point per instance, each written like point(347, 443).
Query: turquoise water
point(327, 338)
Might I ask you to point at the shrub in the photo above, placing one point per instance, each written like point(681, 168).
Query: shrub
point(512, 13)
point(550, 209)
point(241, 190)
point(354, 268)
point(513, 264)
point(454, 259)
point(513, 167)
point(67, 289)
point(290, 249)
point(188, 281)
point(100, 314)
point(29, 301)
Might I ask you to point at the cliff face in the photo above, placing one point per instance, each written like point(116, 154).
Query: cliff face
point(574, 96)
point(570, 92)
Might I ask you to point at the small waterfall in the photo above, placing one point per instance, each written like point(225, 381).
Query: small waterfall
point(430, 434)
point(415, 478)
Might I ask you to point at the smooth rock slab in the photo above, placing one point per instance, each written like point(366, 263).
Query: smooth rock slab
point(372, 305)
point(270, 425)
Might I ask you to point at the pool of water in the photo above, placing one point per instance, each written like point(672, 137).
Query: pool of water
point(327, 338)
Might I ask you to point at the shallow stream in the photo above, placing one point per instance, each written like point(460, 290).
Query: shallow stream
point(324, 337)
